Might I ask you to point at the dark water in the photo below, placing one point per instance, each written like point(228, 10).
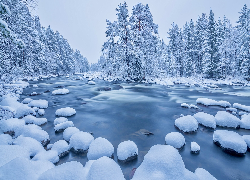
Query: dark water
point(118, 115)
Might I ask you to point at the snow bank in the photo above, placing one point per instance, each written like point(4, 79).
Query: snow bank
point(245, 121)
point(230, 141)
point(27, 100)
point(186, 123)
point(80, 141)
point(60, 91)
point(34, 120)
point(50, 155)
point(211, 102)
point(226, 119)
point(242, 107)
point(203, 174)
point(41, 112)
point(205, 119)
point(91, 83)
point(100, 147)
point(60, 120)
point(195, 148)
point(68, 132)
point(105, 169)
point(175, 139)
point(5, 139)
point(61, 147)
point(12, 125)
point(65, 111)
point(60, 127)
point(43, 104)
point(127, 150)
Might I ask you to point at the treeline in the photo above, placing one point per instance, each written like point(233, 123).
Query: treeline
point(205, 48)
point(28, 49)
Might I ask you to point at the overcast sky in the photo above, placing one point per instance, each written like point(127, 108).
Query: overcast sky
point(83, 22)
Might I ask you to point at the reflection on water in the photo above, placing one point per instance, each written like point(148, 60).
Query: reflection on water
point(119, 115)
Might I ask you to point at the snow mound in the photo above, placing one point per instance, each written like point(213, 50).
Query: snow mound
point(91, 83)
point(5, 139)
point(60, 91)
point(100, 147)
point(127, 150)
point(245, 122)
point(193, 106)
point(226, 119)
point(50, 155)
point(203, 174)
point(187, 123)
point(11, 126)
point(185, 105)
point(67, 171)
point(27, 100)
point(205, 119)
point(61, 147)
point(175, 139)
point(211, 102)
point(60, 127)
point(247, 140)
point(34, 120)
point(43, 104)
point(60, 120)
point(230, 142)
point(65, 111)
point(158, 164)
point(41, 112)
point(105, 169)
point(80, 141)
point(195, 148)
point(68, 132)
point(242, 107)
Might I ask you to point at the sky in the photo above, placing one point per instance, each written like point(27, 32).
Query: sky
point(83, 22)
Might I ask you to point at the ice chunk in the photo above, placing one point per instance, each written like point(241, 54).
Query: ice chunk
point(185, 105)
point(50, 155)
point(211, 102)
point(245, 121)
point(68, 132)
point(195, 148)
point(187, 123)
point(61, 147)
point(60, 91)
point(230, 142)
point(65, 111)
point(247, 140)
point(34, 120)
point(205, 119)
point(11, 126)
point(203, 174)
point(80, 141)
point(105, 169)
point(60, 120)
point(175, 139)
point(226, 119)
point(127, 150)
point(242, 107)
point(5, 139)
point(91, 83)
point(27, 100)
point(43, 104)
point(60, 127)
point(100, 147)
point(41, 112)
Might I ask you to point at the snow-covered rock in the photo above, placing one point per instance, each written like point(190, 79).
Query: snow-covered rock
point(175, 139)
point(91, 83)
point(242, 113)
point(230, 142)
point(231, 109)
point(226, 119)
point(247, 140)
point(65, 111)
point(185, 105)
point(11, 126)
point(61, 147)
point(41, 112)
point(105, 169)
point(80, 141)
point(50, 155)
point(211, 102)
point(242, 107)
point(34, 120)
point(127, 151)
point(60, 91)
point(195, 148)
point(193, 106)
point(27, 100)
point(60, 120)
point(5, 139)
point(203, 174)
point(68, 132)
point(60, 127)
point(43, 104)
point(245, 122)
point(187, 123)
point(205, 119)
point(100, 147)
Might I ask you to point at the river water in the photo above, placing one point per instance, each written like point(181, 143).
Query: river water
point(122, 114)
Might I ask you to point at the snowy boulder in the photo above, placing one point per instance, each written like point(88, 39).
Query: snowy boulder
point(60, 91)
point(100, 147)
point(60, 127)
point(5, 139)
point(247, 140)
point(203, 174)
point(68, 132)
point(245, 122)
point(158, 164)
point(105, 169)
point(43, 104)
point(193, 106)
point(60, 120)
point(61, 147)
point(195, 148)
point(242, 107)
point(127, 151)
point(230, 141)
point(27, 100)
point(211, 102)
point(50, 155)
point(187, 123)
point(175, 139)
point(65, 111)
point(34, 120)
point(70, 170)
point(205, 119)
point(11, 126)
point(91, 83)
point(41, 112)
point(226, 119)
point(185, 105)
point(231, 109)
point(79, 142)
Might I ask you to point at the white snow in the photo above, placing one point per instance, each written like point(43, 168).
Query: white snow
point(60, 146)
point(12, 124)
point(60, 120)
point(91, 83)
point(205, 119)
point(65, 111)
point(60, 91)
point(242, 107)
point(247, 140)
point(226, 119)
point(193, 106)
point(34, 120)
point(245, 121)
point(41, 112)
point(230, 140)
point(81, 141)
point(187, 123)
point(175, 139)
point(126, 150)
point(27, 100)
point(242, 113)
point(50, 155)
point(63, 125)
point(5, 139)
point(231, 109)
point(185, 105)
point(211, 102)
point(105, 169)
point(100, 147)
point(68, 132)
point(195, 148)
point(203, 174)
point(43, 104)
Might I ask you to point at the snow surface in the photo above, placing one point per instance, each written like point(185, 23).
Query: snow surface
point(211, 102)
point(91, 83)
point(63, 125)
point(247, 140)
point(34, 120)
point(27, 100)
point(245, 121)
point(65, 111)
point(43, 104)
point(187, 123)
point(126, 150)
point(226, 119)
point(242, 107)
point(205, 119)
point(230, 140)
point(60, 146)
point(12, 124)
point(68, 132)
point(175, 139)
point(203, 174)
point(5, 139)
point(100, 147)
point(195, 148)
point(81, 141)
point(60, 120)
point(50, 155)
point(60, 91)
